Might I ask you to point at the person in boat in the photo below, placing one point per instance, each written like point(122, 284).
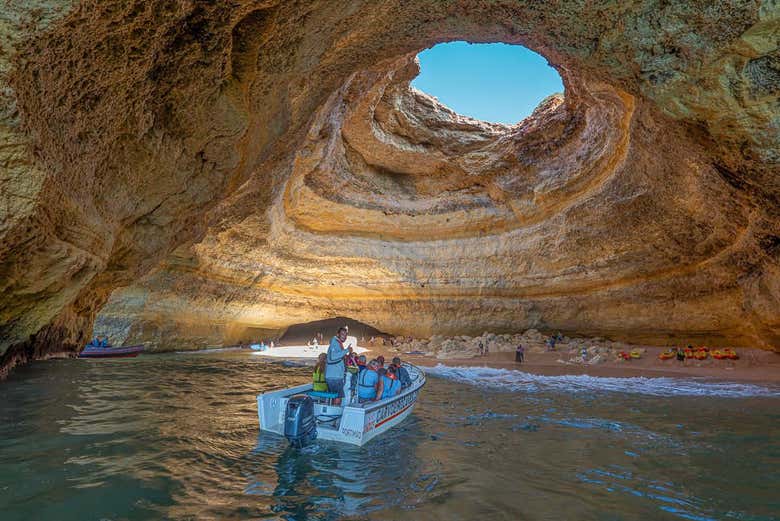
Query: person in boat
point(351, 361)
point(519, 353)
point(381, 360)
point(94, 342)
point(370, 387)
point(335, 370)
point(361, 363)
point(318, 377)
point(401, 372)
point(102, 341)
point(390, 384)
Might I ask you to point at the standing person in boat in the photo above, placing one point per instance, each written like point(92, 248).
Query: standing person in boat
point(318, 377)
point(390, 384)
point(369, 383)
point(335, 370)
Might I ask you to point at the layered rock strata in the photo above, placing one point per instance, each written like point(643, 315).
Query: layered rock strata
point(254, 164)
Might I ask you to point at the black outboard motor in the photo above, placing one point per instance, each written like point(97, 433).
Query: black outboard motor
point(300, 426)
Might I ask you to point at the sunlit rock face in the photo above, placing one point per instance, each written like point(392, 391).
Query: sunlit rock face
point(248, 165)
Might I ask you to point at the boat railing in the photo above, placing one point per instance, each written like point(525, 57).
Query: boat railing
point(419, 373)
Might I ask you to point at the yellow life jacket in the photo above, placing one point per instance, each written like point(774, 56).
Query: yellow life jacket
point(318, 380)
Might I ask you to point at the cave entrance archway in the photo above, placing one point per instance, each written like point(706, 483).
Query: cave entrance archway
point(326, 328)
point(493, 82)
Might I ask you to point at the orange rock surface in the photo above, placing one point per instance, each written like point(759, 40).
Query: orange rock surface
point(245, 165)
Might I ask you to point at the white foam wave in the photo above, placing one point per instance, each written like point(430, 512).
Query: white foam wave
point(512, 380)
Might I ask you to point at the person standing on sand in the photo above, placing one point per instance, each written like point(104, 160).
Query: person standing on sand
point(481, 349)
point(519, 352)
point(335, 370)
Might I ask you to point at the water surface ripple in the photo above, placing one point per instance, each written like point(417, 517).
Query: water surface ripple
point(176, 437)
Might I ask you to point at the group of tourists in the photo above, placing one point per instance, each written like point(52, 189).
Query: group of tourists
point(314, 343)
point(341, 372)
point(554, 339)
point(98, 341)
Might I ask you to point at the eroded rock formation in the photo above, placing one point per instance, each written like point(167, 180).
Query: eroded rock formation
point(253, 164)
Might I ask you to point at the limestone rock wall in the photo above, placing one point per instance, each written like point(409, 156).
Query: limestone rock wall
point(261, 163)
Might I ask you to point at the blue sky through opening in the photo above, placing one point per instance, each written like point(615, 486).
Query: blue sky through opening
point(488, 81)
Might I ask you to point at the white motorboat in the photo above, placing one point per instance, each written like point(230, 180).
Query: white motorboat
point(312, 415)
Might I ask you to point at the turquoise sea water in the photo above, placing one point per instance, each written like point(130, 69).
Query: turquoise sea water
point(176, 437)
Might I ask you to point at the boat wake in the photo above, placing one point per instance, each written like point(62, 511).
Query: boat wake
point(511, 380)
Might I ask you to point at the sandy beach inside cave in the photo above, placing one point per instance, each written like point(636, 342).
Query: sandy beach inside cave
point(753, 365)
point(300, 351)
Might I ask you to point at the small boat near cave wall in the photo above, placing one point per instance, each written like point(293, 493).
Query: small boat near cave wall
point(111, 352)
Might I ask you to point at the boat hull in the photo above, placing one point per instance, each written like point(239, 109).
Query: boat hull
point(356, 424)
point(111, 352)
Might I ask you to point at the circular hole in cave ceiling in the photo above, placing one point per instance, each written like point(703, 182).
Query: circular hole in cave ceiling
point(493, 82)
